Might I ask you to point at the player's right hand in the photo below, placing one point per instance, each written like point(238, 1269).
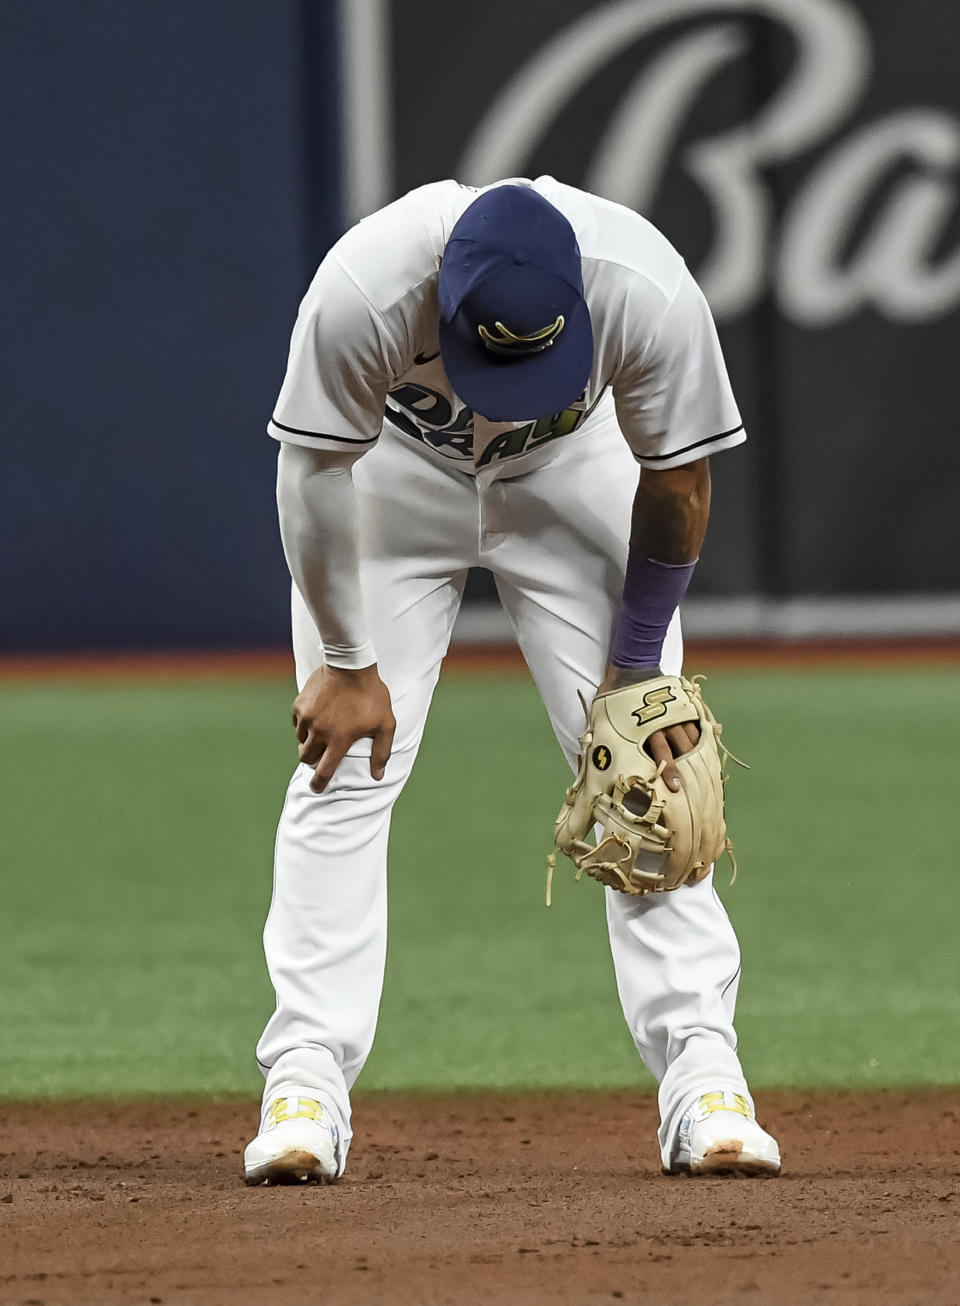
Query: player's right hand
point(334, 709)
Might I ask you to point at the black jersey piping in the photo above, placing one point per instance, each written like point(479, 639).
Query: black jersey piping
point(675, 453)
point(320, 435)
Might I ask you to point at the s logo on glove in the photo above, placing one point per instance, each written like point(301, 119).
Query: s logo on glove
point(654, 705)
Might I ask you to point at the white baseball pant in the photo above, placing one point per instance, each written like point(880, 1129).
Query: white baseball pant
point(555, 539)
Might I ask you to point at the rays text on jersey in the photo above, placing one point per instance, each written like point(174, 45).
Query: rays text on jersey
point(427, 415)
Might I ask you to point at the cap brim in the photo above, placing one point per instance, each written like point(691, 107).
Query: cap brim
point(518, 389)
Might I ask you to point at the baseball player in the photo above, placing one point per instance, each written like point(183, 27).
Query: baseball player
point(526, 378)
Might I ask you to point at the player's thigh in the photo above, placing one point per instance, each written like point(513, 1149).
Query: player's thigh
point(566, 525)
point(561, 575)
point(419, 515)
point(415, 542)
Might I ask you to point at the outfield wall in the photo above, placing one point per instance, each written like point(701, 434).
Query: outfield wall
point(175, 176)
point(178, 170)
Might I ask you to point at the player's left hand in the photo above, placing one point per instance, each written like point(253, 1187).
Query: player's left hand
point(664, 745)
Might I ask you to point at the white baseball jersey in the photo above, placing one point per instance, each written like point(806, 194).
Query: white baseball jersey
point(365, 346)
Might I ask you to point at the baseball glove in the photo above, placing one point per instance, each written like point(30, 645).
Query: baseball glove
point(652, 839)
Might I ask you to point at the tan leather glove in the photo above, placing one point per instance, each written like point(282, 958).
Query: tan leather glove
point(652, 839)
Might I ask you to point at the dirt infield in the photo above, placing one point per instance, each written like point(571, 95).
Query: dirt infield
point(499, 1199)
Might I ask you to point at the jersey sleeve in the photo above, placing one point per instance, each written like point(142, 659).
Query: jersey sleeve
point(673, 397)
point(339, 368)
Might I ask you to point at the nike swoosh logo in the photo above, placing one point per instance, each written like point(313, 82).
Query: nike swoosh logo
point(422, 359)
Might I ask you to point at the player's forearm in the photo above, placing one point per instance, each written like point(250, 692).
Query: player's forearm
point(319, 528)
point(670, 514)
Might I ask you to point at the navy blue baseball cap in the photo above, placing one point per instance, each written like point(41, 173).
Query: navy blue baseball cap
point(515, 333)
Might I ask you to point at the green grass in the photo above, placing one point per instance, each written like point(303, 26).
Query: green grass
point(137, 830)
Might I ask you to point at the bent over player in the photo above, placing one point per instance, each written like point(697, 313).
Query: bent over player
point(474, 378)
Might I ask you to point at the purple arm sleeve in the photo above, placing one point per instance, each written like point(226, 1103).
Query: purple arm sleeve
point(652, 592)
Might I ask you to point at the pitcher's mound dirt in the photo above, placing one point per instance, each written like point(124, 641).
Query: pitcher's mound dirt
point(500, 1199)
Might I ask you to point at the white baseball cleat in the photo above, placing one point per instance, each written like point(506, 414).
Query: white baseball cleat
point(720, 1135)
point(297, 1142)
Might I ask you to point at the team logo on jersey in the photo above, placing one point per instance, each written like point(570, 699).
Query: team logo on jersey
point(600, 757)
point(427, 415)
point(654, 704)
point(506, 341)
